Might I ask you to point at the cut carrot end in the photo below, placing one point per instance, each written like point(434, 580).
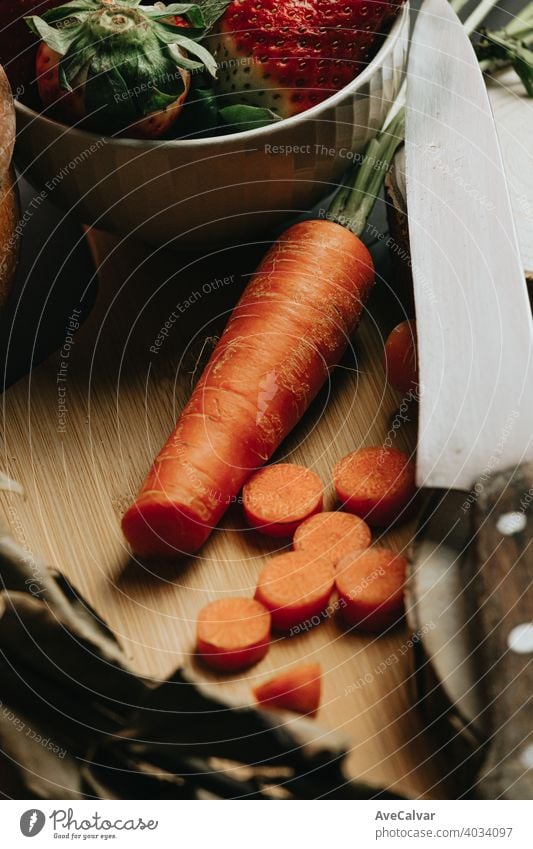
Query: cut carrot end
point(332, 534)
point(232, 634)
point(295, 587)
point(278, 498)
point(163, 529)
point(370, 584)
point(376, 483)
point(298, 690)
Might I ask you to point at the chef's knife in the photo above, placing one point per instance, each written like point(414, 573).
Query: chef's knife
point(475, 340)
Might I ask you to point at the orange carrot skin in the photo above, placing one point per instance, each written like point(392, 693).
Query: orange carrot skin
point(289, 329)
point(401, 358)
point(298, 689)
point(370, 584)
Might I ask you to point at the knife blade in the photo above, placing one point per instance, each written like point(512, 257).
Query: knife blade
point(475, 333)
point(473, 552)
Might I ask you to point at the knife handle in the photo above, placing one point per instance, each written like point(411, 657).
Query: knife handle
point(503, 592)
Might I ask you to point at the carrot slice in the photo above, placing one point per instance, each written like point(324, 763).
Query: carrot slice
point(401, 357)
point(376, 483)
point(298, 690)
point(232, 633)
point(370, 587)
point(278, 498)
point(294, 587)
point(332, 534)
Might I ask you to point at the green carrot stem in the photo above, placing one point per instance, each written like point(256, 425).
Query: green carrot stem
point(490, 66)
point(353, 204)
point(510, 46)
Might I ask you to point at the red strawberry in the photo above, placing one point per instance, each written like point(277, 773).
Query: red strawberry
point(70, 106)
point(17, 43)
point(288, 55)
point(118, 67)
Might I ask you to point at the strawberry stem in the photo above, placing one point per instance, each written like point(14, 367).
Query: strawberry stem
point(354, 202)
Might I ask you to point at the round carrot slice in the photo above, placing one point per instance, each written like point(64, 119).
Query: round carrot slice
point(375, 483)
point(295, 587)
point(401, 357)
point(278, 498)
point(298, 689)
point(370, 587)
point(232, 633)
point(333, 535)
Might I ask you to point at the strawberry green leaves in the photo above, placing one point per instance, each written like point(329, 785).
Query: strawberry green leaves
point(59, 39)
point(246, 117)
point(212, 10)
point(167, 35)
point(206, 113)
point(192, 11)
point(68, 9)
point(124, 61)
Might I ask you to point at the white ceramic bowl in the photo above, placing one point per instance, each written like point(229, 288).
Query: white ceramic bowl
point(218, 190)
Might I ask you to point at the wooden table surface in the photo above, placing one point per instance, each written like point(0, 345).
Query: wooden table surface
point(81, 466)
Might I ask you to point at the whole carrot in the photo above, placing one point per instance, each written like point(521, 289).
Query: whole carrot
point(290, 327)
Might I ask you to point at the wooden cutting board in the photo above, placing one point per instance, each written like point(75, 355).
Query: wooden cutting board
point(82, 429)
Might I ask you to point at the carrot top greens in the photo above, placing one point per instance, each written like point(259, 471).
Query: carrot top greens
point(354, 202)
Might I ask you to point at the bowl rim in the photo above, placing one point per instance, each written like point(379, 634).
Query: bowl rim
point(389, 43)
